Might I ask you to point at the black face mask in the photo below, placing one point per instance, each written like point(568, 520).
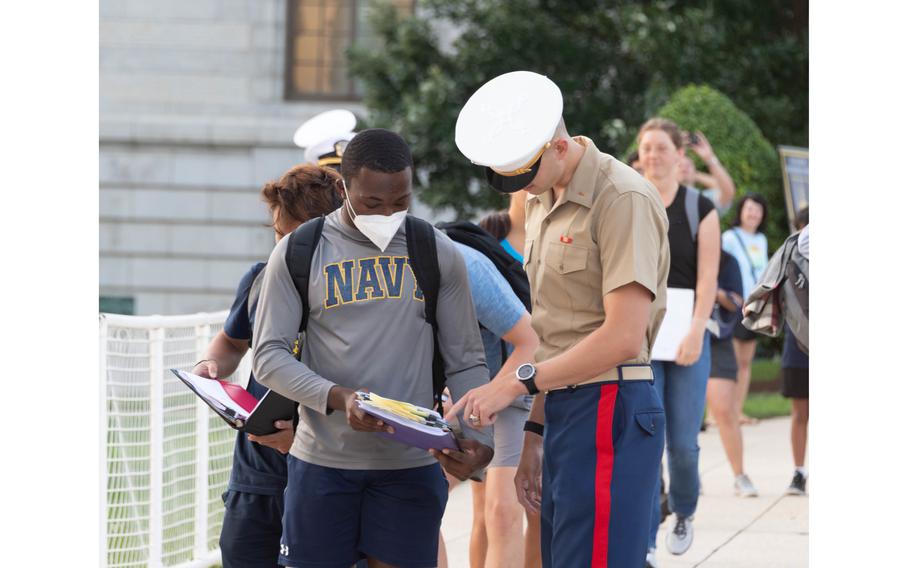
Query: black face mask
point(511, 184)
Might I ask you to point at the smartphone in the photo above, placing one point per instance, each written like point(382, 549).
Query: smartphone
point(693, 139)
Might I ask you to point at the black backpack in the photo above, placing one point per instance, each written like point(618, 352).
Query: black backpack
point(421, 239)
point(471, 235)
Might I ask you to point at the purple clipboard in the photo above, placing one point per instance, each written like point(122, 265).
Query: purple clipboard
point(412, 433)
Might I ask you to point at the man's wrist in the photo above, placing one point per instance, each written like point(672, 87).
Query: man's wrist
point(712, 161)
point(516, 387)
point(526, 375)
point(201, 361)
point(532, 439)
point(338, 398)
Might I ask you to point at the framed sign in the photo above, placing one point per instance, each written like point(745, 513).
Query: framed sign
point(794, 163)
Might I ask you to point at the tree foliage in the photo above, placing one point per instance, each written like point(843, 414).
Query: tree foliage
point(616, 62)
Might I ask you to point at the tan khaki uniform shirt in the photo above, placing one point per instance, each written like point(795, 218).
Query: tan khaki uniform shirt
point(608, 229)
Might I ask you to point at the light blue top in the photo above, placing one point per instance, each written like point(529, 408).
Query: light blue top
point(751, 254)
point(497, 307)
point(511, 250)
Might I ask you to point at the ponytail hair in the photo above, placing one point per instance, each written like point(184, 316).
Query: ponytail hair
point(302, 193)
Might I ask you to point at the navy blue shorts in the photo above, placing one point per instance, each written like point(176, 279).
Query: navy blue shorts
point(602, 448)
point(251, 532)
point(334, 517)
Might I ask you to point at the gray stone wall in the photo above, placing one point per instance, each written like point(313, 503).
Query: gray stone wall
point(193, 122)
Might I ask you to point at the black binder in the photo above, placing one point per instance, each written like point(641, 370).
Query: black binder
point(244, 412)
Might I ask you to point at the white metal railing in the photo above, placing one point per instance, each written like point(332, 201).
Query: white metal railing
point(166, 458)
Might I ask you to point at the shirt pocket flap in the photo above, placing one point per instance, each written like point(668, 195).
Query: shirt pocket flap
point(566, 259)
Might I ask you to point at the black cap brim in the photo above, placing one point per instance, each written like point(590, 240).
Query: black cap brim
point(511, 184)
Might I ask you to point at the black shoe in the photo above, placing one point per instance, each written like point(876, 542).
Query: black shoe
point(798, 485)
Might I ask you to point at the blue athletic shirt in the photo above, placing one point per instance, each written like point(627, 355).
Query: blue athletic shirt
point(257, 469)
point(511, 250)
point(497, 307)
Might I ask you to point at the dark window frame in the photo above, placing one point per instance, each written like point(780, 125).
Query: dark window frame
point(290, 33)
point(290, 93)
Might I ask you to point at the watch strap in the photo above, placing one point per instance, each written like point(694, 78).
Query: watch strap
point(535, 427)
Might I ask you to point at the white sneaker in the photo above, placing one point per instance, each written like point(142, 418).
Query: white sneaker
point(743, 486)
point(680, 538)
point(651, 558)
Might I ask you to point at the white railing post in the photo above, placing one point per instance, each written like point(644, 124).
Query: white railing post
point(103, 452)
point(201, 547)
point(156, 453)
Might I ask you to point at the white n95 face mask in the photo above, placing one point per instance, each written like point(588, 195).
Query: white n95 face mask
point(378, 228)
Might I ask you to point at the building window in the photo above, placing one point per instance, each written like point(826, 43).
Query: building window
point(319, 33)
point(116, 305)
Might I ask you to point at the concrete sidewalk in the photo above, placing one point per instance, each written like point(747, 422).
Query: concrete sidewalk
point(769, 531)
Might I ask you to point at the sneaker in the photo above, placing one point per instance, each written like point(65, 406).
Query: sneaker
point(680, 538)
point(798, 485)
point(743, 486)
point(651, 558)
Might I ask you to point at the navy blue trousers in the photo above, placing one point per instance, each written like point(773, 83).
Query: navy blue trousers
point(602, 451)
point(251, 532)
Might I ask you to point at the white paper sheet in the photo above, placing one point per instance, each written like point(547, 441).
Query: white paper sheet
point(676, 324)
point(214, 391)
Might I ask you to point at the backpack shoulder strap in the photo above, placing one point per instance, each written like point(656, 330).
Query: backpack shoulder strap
point(742, 245)
point(299, 256)
point(253, 297)
point(424, 260)
point(421, 239)
point(692, 211)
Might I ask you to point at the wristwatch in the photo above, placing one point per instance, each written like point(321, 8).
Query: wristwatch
point(525, 375)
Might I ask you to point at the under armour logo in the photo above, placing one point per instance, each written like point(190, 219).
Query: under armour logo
point(284, 550)
point(800, 281)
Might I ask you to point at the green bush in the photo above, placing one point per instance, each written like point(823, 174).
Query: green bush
point(751, 160)
point(766, 405)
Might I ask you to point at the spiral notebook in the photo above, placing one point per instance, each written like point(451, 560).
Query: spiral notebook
point(236, 406)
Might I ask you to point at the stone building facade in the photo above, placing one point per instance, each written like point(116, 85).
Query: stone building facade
point(196, 113)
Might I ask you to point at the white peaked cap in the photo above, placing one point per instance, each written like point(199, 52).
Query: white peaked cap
point(324, 126)
point(328, 146)
point(507, 121)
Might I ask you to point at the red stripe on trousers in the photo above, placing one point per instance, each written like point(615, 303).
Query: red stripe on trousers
point(603, 475)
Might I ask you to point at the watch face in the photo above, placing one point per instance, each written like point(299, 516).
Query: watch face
point(526, 371)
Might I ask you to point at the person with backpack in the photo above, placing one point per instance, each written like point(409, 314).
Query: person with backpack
point(385, 304)
point(502, 300)
point(722, 397)
point(508, 227)
point(794, 363)
point(597, 260)
point(746, 241)
point(254, 502)
point(694, 236)
point(780, 302)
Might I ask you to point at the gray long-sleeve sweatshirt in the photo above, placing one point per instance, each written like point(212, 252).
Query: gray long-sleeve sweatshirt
point(366, 329)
